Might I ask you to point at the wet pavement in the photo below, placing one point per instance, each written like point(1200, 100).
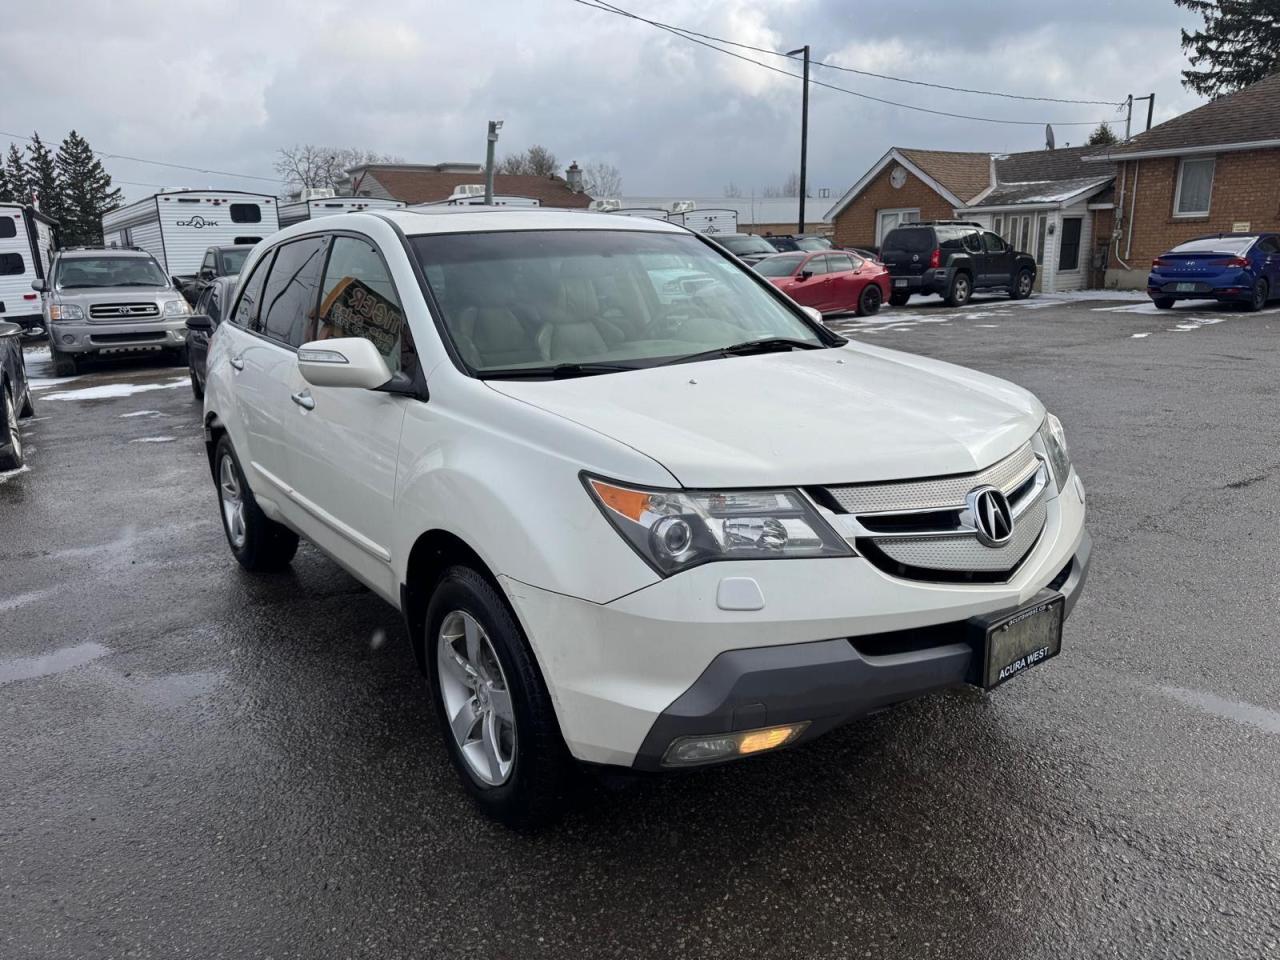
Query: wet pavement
point(198, 763)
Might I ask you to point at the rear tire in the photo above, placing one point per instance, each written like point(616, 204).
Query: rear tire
point(64, 364)
point(1163, 303)
point(870, 299)
point(961, 290)
point(11, 457)
point(1260, 296)
point(1022, 285)
point(899, 299)
point(258, 543)
point(526, 788)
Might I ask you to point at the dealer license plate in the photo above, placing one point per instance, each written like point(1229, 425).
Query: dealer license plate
point(1186, 288)
point(1023, 640)
point(899, 283)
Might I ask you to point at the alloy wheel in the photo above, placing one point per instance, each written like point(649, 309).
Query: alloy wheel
point(1024, 284)
point(232, 502)
point(871, 299)
point(476, 697)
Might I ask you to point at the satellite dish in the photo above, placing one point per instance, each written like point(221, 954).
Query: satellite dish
point(1048, 136)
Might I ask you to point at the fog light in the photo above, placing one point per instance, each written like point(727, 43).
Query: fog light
point(691, 750)
point(68, 338)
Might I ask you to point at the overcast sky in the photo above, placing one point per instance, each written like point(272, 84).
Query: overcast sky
point(223, 85)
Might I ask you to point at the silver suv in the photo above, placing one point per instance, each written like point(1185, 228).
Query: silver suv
point(100, 301)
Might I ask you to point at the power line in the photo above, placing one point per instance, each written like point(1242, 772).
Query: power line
point(159, 163)
point(685, 35)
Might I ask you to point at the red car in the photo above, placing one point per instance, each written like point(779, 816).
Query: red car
point(832, 282)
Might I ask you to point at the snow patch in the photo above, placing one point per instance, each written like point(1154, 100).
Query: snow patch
point(112, 391)
point(1139, 336)
point(154, 440)
point(10, 474)
point(141, 413)
point(44, 383)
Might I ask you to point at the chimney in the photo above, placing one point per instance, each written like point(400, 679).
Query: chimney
point(573, 177)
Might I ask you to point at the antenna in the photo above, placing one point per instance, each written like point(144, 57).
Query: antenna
point(1048, 136)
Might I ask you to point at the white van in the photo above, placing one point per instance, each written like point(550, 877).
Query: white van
point(626, 529)
point(28, 240)
point(179, 226)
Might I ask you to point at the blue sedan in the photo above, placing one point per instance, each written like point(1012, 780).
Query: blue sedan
point(1230, 267)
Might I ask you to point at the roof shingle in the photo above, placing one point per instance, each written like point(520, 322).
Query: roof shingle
point(427, 186)
point(964, 174)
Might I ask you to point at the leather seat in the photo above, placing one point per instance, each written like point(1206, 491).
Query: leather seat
point(490, 326)
point(574, 328)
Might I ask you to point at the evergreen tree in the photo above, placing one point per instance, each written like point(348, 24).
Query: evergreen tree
point(42, 177)
point(1102, 136)
point(86, 191)
point(15, 175)
point(1239, 45)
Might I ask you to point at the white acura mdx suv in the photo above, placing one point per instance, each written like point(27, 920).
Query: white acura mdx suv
point(637, 507)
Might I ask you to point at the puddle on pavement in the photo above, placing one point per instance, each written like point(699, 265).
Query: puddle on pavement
point(173, 690)
point(1236, 710)
point(60, 661)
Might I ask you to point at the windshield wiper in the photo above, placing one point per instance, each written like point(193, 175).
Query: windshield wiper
point(749, 347)
point(560, 371)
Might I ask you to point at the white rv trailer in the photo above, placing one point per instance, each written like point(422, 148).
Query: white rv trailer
point(28, 240)
point(177, 227)
point(710, 221)
point(299, 210)
point(653, 213)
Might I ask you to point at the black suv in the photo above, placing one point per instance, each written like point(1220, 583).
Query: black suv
point(953, 258)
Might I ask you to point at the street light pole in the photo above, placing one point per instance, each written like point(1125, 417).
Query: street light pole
point(494, 127)
point(804, 133)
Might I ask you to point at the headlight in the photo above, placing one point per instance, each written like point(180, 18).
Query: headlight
point(65, 311)
point(1055, 444)
point(677, 529)
point(176, 308)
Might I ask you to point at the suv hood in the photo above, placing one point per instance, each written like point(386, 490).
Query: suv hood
point(799, 418)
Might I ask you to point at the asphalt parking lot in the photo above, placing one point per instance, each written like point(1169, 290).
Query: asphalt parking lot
point(197, 763)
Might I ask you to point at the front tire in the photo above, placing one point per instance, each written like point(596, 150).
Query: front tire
point(961, 290)
point(1022, 285)
point(11, 457)
point(64, 364)
point(494, 711)
point(869, 300)
point(258, 543)
point(1163, 303)
point(182, 357)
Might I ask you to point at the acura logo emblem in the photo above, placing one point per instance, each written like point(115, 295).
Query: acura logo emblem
point(992, 517)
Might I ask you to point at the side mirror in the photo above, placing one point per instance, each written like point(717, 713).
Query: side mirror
point(343, 362)
point(813, 313)
point(206, 273)
point(806, 274)
point(200, 322)
point(40, 286)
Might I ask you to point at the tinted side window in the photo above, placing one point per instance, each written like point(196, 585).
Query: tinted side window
point(839, 262)
point(7, 228)
point(992, 243)
point(952, 239)
point(973, 241)
point(289, 299)
point(916, 240)
point(246, 213)
point(11, 264)
point(1269, 245)
point(816, 265)
point(246, 312)
point(359, 300)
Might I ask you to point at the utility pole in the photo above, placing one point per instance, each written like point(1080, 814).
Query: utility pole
point(494, 127)
point(804, 133)
point(1128, 117)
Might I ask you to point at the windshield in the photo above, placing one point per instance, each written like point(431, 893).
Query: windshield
point(539, 298)
point(916, 240)
point(1236, 246)
point(745, 245)
point(812, 244)
point(779, 266)
point(84, 272)
point(233, 260)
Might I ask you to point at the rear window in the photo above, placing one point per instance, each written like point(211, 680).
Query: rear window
point(11, 265)
point(1232, 245)
point(233, 260)
point(8, 228)
point(246, 213)
point(909, 240)
point(812, 244)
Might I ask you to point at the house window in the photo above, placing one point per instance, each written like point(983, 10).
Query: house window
point(1195, 184)
point(886, 220)
point(1041, 223)
point(1069, 251)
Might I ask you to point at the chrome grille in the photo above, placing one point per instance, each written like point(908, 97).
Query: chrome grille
point(937, 494)
point(123, 311)
point(926, 529)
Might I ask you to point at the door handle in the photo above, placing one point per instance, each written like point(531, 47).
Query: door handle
point(237, 363)
point(304, 400)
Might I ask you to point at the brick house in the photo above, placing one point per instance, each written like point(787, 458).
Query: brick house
point(1214, 169)
point(427, 182)
point(1048, 203)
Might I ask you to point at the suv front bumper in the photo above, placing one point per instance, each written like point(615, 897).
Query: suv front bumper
point(81, 337)
point(667, 661)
